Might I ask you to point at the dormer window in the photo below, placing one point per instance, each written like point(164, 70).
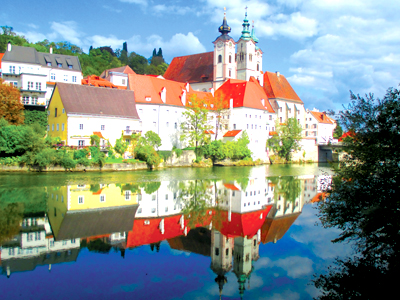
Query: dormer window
point(69, 63)
point(147, 98)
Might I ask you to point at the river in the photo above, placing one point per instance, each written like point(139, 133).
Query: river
point(184, 233)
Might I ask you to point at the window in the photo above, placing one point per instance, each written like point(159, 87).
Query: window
point(38, 86)
point(176, 125)
point(166, 196)
point(53, 76)
point(139, 211)
point(73, 241)
point(59, 65)
point(148, 98)
point(37, 236)
point(52, 127)
point(220, 58)
point(306, 125)
point(127, 195)
point(81, 199)
point(234, 126)
point(55, 112)
point(258, 67)
point(30, 85)
point(73, 78)
point(230, 73)
point(154, 124)
point(81, 143)
point(153, 197)
point(216, 251)
point(69, 67)
point(167, 124)
point(280, 109)
point(270, 117)
point(102, 127)
point(80, 126)
point(25, 99)
point(102, 198)
point(65, 77)
point(123, 81)
point(230, 60)
point(48, 64)
point(63, 110)
point(166, 209)
point(251, 57)
point(58, 127)
point(247, 126)
point(14, 84)
point(280, 119)
point(153, 210)
point(34, 100)
point(12, 69)
point(48, 127)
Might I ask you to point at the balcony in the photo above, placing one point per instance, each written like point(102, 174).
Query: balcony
point(129, 132)
point(31, 90)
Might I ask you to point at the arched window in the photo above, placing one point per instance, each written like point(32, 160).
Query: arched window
point(250, 57)
point(220, 58)
point(230, 73)
point(230, 58)
point(258, 67)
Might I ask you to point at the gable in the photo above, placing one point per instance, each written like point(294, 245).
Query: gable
point(276, 86)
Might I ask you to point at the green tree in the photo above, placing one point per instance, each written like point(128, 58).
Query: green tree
point(195, 123)
point(287, 139)
point(364, 201)
point(153, 139)
point(120, 146)
point(10, 218)
point(338, 132)
point(35, 117)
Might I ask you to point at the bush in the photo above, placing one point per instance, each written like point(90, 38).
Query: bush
point(82, 153)
point(148, 154)
point(177, 151)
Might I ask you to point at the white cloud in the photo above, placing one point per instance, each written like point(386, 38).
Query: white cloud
point(139, 2)
point(33, 36)
point(112, 9)
point(295, 266)
point(98, 41)
point(34, 26)
point(286, 295)
point(67, 31)
point(173, 9)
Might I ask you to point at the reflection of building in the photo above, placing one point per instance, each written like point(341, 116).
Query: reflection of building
point(79, 211)
point(35, 246)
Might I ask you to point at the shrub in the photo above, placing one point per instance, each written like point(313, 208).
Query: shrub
point(81, 153)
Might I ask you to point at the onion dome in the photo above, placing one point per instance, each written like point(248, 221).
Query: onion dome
point(224, 28)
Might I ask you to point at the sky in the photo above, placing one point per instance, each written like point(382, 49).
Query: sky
point(325, 48)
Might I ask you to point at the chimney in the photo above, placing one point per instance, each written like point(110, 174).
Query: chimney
point(9, 46)
point(231, 103)
point(51, 49)
point(278, 74)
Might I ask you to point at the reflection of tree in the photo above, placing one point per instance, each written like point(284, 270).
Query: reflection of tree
point(364, 202)
point(287, 186)
point(99, 246)
point(196, 198)
point(150, 187)
point(10, 218)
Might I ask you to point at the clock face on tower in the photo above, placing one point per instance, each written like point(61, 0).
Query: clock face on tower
point(219, 45)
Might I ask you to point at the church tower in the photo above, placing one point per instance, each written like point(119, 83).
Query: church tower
point(224, 55)
point(242, 262)
point(249, 55)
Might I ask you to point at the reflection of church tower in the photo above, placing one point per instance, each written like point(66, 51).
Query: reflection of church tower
point(224, 55)
point(221, 257)
point(249, 55)
point(242, 261)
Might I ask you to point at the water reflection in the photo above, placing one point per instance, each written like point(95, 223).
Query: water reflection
point(225, 220)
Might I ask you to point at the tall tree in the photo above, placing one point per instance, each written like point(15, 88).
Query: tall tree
point(195, 125)
point(11, 107)
point(287, 138)
point(364, 201)
point(220, 108)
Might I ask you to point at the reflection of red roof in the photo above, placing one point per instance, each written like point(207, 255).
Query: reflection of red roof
point(232, 133)
point(1, 56)
point(209, 132)
point(245, 224)
point(322, 117)
point(231, 186)
point(98, 192)
point(274, 229)
point(147, 234)
point(318, 197)
point(273, 133)
point(278, 87)
point(191, 68)
point(244, 94)
point(99, 134)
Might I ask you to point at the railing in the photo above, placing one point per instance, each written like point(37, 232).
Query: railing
point(130, 132)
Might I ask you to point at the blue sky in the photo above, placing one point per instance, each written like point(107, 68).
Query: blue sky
point(324, 47)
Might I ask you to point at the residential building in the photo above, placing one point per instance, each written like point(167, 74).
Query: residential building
point(1, 57)
point(35, 73)
point(76, 112)
point(118, 76)
point(97, 81)
point(319, 126)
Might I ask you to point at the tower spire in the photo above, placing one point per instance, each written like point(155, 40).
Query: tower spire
point(253, 34)
point(224, 28)
point(246, 28)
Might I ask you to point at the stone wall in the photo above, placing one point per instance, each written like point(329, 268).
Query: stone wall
point(184, 160)
point(308, 152)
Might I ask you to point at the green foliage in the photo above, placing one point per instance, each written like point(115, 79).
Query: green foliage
point(94, 140)
point(120, 146)
point(153, 139)
point(165, 154)
point(98, 246)
point(177, 151)
point(98, 157)
point(150, 187)
point(195, 125)
point(338, 132)
point(81, 153)
point(364, 200)
point(287, 139)
point(10, 218)
point(235, 150)
point(146, 153)
point(289, 187)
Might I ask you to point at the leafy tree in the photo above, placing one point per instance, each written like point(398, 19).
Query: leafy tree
point(120, 146)
point(35, 117)
point(195, 125)
point(151, 187)
point(94, 140)
point(10, 218)
point(287, 138)
point(153, 139)
point(364, 201)
point(11, 107)
point(338, 132)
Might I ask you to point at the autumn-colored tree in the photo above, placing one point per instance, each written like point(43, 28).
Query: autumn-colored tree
point(11, 107)
point(220, 107)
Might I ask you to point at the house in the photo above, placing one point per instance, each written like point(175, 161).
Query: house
point(1, 57)
point(76, 112)
point(118, 76)
point(97, 81)
point(35, 73)
point(229, 60)
point(283, 98)
point(319, 126)
point(250, 111)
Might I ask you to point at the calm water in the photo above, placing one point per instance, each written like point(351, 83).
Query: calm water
point(249, 232)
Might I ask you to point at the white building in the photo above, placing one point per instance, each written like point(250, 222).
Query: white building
point(35, 73)
point(320, 126)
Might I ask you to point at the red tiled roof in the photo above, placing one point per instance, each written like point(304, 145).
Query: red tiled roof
point(278, 87)
point(94, 80)
point(98, 192)
point(50, 83)
point(244, 94)
point(318, 197)
point(274, 229)
point(124, 69)
point(191, 68)
point(98, 133)
point(322, 117)
point(1, 56)
point(209, 132)
point(231, 186)
point(273, 133)
point(232, 133)
point(346, 134)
